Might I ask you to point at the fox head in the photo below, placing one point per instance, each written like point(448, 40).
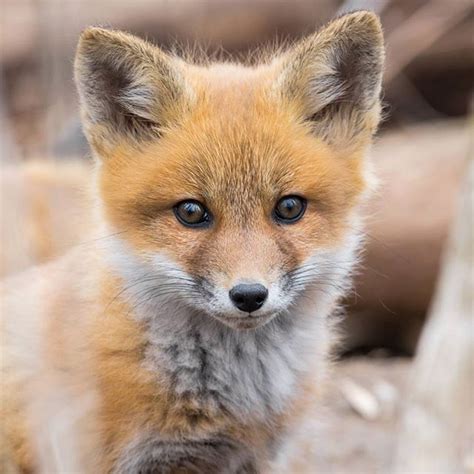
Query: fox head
point(232, 188)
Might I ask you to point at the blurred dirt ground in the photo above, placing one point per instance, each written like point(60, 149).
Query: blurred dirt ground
point(361, 420)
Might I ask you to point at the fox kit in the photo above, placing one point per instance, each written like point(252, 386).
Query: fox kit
point(194, 336)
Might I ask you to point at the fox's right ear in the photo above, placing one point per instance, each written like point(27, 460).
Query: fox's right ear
point(335, 76)
point(128, 89)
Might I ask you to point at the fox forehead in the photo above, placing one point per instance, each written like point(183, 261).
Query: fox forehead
point(231, 82)
point(237, 146)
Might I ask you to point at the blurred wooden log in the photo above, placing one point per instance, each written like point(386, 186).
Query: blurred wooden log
point(418, 32)
point(8, 147)
point(420, 169)
point(438, 420)
point(233, 24)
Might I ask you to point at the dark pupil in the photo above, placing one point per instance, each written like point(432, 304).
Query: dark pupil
point(289, 208)
point(191, 212)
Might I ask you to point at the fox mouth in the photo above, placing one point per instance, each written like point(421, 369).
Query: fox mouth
point(246, 321)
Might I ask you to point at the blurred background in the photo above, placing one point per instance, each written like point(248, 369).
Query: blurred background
point(421, 157)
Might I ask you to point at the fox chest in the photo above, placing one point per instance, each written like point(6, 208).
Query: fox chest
point(150, 454)
point(223, 396)
point(242, 379)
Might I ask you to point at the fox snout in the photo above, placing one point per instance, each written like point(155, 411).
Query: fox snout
point(248, 297)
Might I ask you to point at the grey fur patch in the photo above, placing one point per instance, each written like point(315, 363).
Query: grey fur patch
point(234, 374)
point(151, 455)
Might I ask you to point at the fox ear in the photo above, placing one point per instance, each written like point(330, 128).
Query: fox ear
point(336, 75)
point(127, 87)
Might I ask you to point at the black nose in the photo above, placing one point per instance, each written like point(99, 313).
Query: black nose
point(248, 298)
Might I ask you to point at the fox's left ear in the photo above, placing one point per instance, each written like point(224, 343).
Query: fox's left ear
point(335, 76)
point(128, 89)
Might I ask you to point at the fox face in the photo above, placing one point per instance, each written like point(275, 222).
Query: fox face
point(232, 188)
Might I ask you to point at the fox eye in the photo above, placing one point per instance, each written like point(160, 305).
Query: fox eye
point(289, 209)
point(192, 213)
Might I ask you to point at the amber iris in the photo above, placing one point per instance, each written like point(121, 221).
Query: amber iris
point(192, 213)
point(289, 209)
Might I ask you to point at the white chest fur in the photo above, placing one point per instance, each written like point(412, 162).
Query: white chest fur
point(243, 373)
